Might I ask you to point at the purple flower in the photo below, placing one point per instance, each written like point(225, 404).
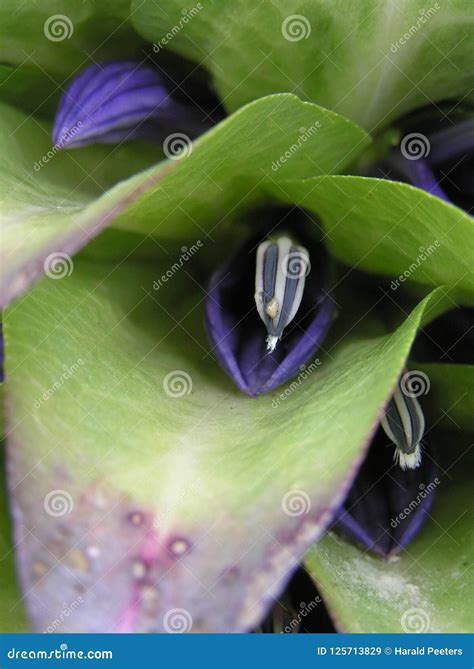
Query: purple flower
point(262, 344)
point(438, 161)
point(451, 160)
point(393, 492)
point(116, 101)
point(386, 505)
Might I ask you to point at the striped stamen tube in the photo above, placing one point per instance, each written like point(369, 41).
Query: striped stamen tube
point(281, 270)
point(404, 424)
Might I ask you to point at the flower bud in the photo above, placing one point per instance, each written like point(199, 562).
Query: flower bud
point(111, 102)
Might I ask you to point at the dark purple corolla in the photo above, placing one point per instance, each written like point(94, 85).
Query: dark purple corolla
point(117, 101)
point(450, 161)
point(438, 160)
point(260, 351)
point(390, 498)
point(386, 505)
point(257, 360)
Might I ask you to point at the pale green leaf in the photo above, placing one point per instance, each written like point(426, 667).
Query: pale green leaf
point(450, 400)
point(58, 38)
point(53, 201)
point(95, 415)
point(390, 228)
point(345, 56)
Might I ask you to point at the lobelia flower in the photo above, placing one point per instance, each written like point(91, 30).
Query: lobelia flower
point(374, 512)
point(280, 277)
point(116, 101)
point(439, 161)
point(387, 506)
point(267, 311)
point(447, 170)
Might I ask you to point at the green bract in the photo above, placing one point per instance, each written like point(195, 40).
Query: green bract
point(345, 56)
point(393, 229)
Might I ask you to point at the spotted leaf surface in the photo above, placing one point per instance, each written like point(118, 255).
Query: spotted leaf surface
point(143, 481)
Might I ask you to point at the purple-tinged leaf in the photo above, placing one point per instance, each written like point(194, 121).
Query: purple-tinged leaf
point(142, 496)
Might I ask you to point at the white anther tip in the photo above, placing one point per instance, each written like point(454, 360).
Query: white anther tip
point(272, 341)
point(408, 460)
